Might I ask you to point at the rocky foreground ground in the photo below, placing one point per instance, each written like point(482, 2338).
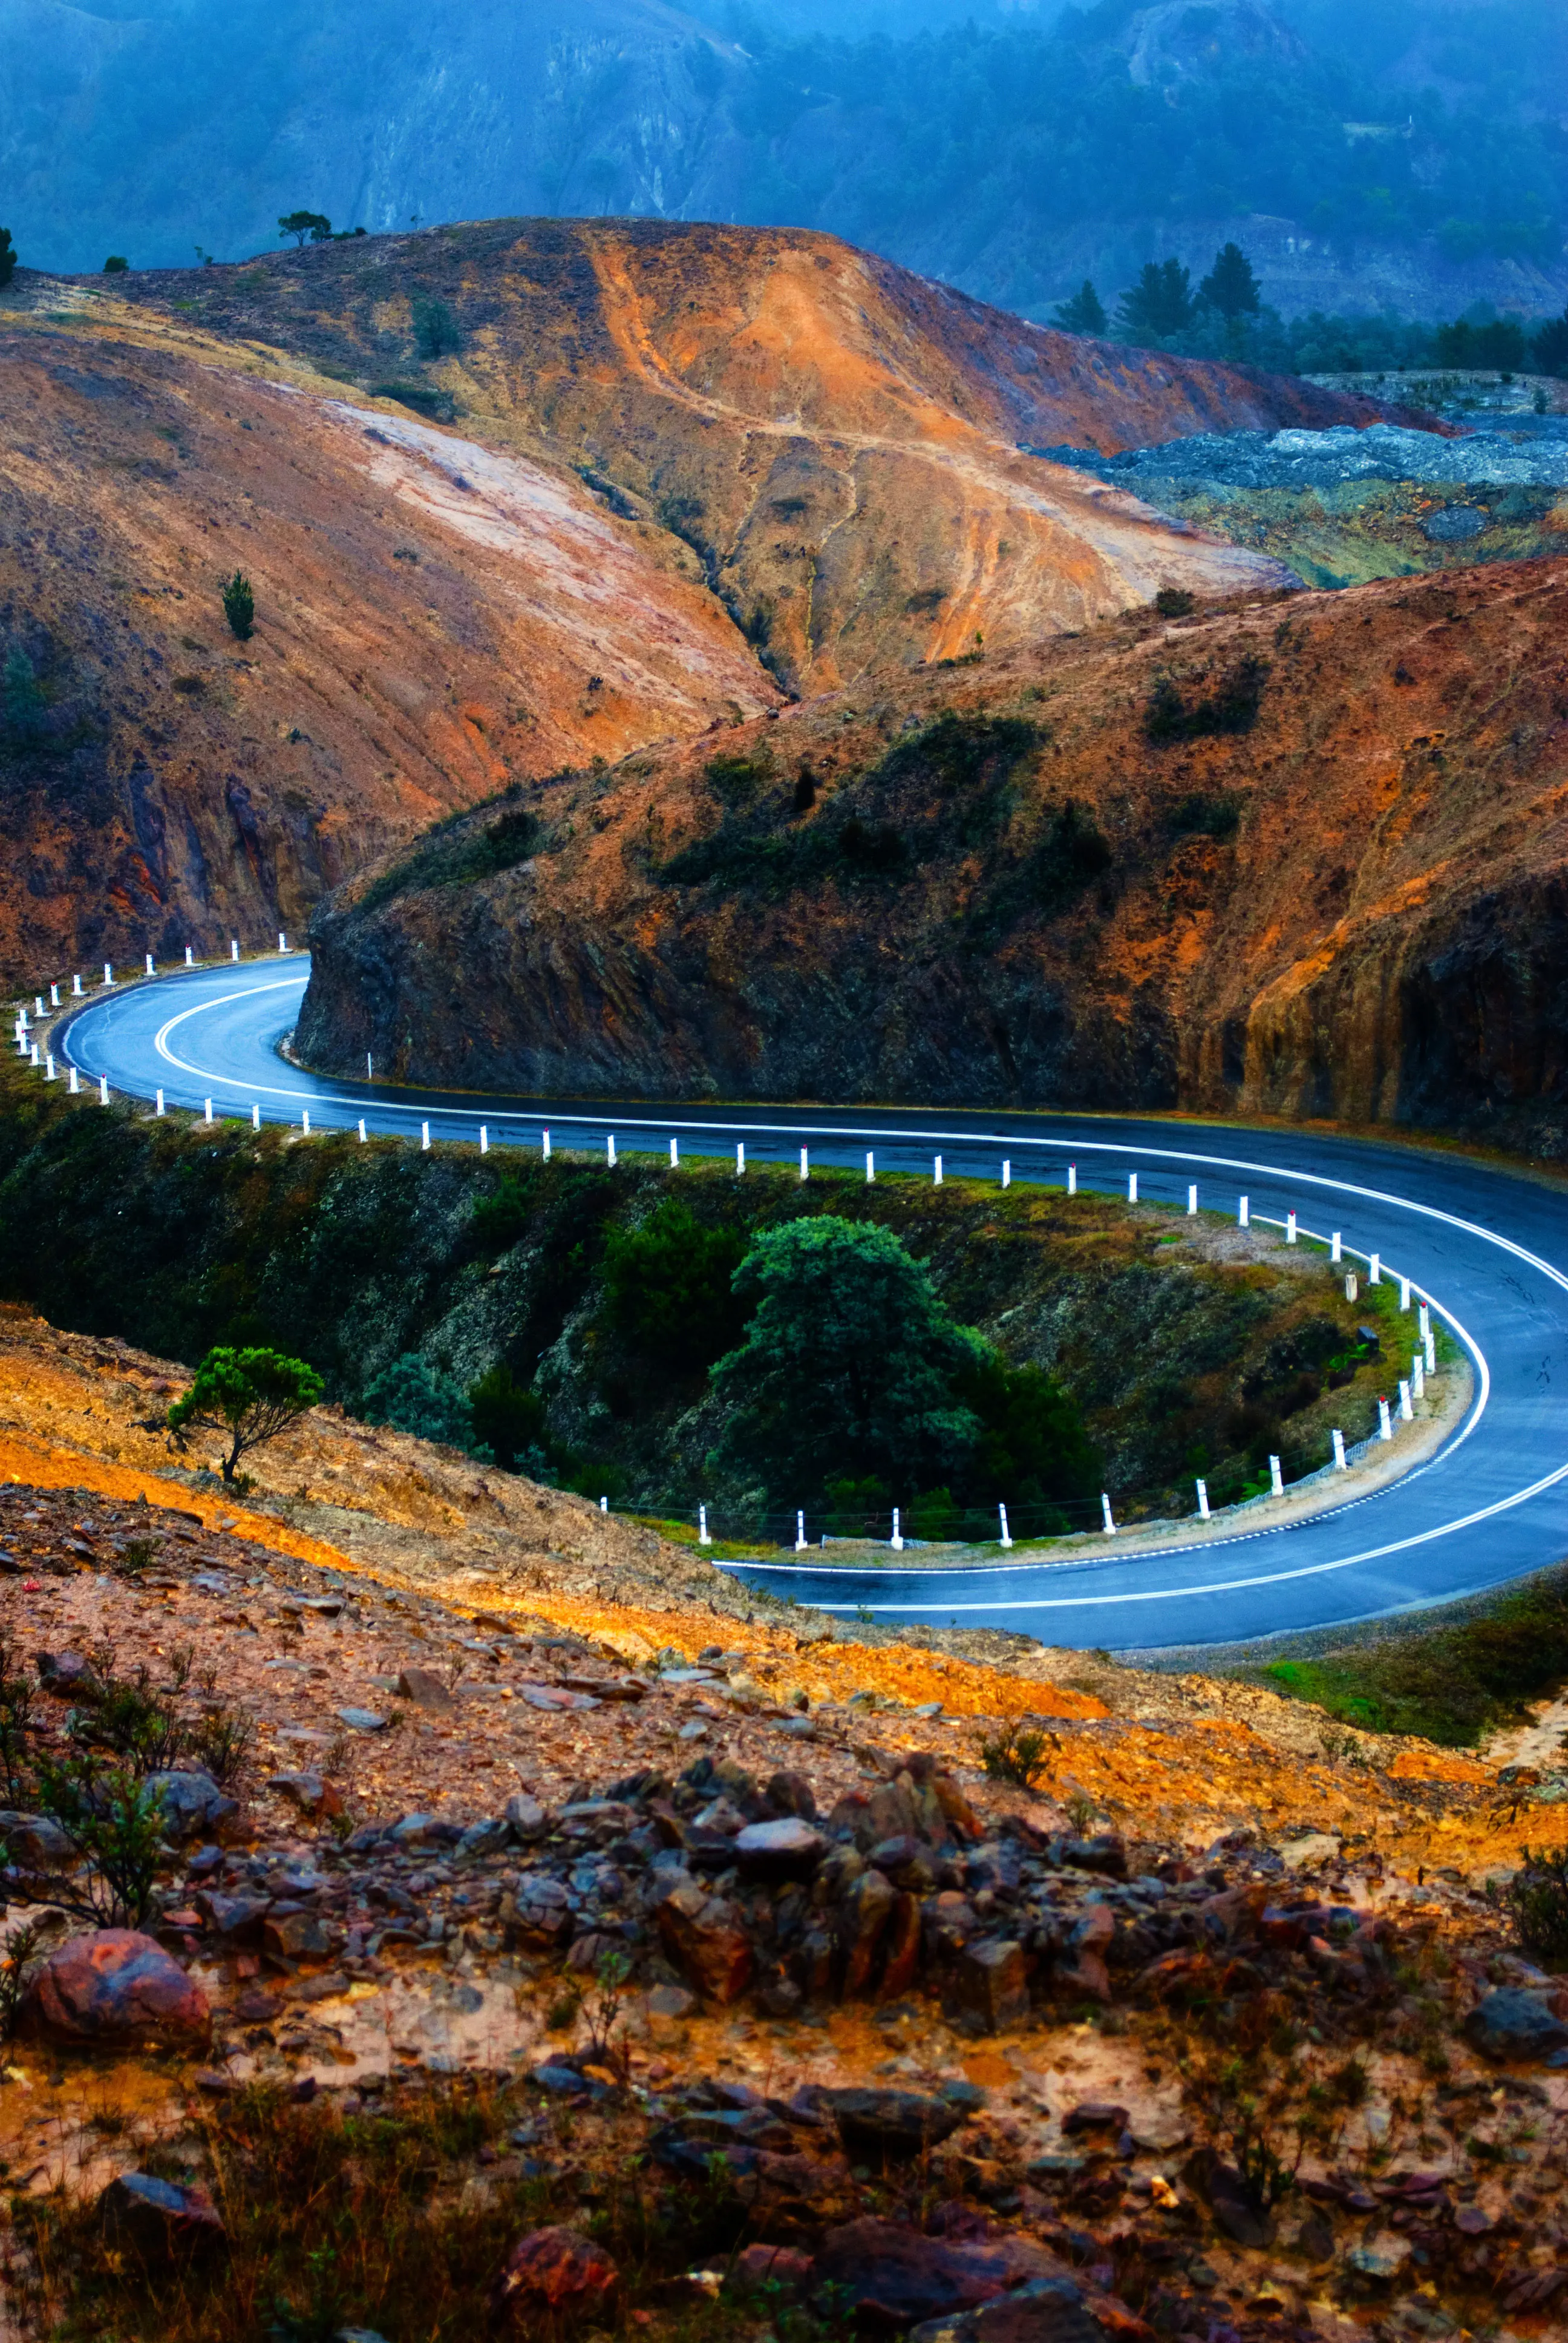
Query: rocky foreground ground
point(542, 1958)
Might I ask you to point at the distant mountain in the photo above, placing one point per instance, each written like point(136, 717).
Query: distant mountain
point(1412, 154)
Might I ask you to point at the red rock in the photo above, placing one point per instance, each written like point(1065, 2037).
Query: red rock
point(554, 2273)
point(1093, 2114)
point(862, 1917)
point(114, 1987)
point(903, 1955)
point(772, 2266)
point(425, 1689)
point(155, 2223)
point(987, 1988)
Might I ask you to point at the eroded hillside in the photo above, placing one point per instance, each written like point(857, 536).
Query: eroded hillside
point(1300, 855)
point(512, 499)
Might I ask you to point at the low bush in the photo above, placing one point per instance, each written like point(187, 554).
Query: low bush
point(1231, 707)
point(1537, 1898)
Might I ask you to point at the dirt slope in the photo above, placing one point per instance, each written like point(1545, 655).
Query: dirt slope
point(993, 884)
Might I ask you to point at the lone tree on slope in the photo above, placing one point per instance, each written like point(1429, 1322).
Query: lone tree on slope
point(239, 605)
point(249, 1395)
point(300, 224)
point(1084, 314)
point(8, 257)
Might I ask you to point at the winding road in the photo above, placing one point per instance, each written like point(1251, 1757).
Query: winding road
point(1488, 1247)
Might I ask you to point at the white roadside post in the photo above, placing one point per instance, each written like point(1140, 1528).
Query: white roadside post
point(49, 1073)
point(1339, 1441)
point(805, 1167)
point(362, 1131)
point(159, 1106)
point(255, 1116)
point(1425, 1321)
point(207, 1116)
point(53, 996)
point(33, 1056)
point(234, 948)
point(1430, 1351)
point(1006, 1532)
point(424, 1137)
point(1404, 1293)
point(75, 1085)
point(1105, 1509)
point(898, 1540)
point(799, 1533)
point(304, 1121)
point(1072, 1178)
point(740, 1156)
point(1290, 1227)
point(109, 971)
point(1006, 1171)
point(1133, 1187)
point(545, 1138)
point(38, 1004)
point(103, 1090)
point(75, 988)
point(1352, 1286)
point(484, 1139)
point(1405, 1410)
point(1336, 1247)
point(190, 957)
point(369, 1067)
point(1385, 1422)
point(1276, 1478)
point(702, 1536)
point(603, 1505)
point(937, 1172)
point(1202, 1501)
point(282, 940)
point(609, 1149)
point(675, 1154)
point(1417, 1375)
point(1243, 1214)
point(149, 961)
point(1374, 1270)
point(1191, 1202)
point(870, 1167)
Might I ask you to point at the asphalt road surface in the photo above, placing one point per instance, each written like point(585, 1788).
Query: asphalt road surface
point(1488, 1247)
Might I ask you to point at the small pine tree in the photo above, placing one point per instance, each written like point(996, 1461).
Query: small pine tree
point(8, 257)
point(1159, 303)
point(239, 605)
point(1230, 286)
point(1084, 314)
point(1550, 348)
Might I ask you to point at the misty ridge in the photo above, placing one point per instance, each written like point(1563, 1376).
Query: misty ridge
point(1402, 159)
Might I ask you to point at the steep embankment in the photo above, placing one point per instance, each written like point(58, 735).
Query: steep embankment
point(618, 474)
point(1304, 856)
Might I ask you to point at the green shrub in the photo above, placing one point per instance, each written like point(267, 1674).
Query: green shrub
point(1018, 1753)
point(1031, 1445)
point(436, 333)
point(1231, 707)
point(116, 265)
point(1198, 814)
point(509, 1419)
point(1071, 855)
point(670, 1287)
point(115, 1826)
point(415, 1397)
point(1174, 602)
point(1537, 1897)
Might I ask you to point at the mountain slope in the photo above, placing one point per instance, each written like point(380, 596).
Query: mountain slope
point(1301, 856)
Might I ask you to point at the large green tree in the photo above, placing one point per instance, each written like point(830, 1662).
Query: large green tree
point(1230, 286)
point(847, 1364)
point(1159, 303)
point(301, 224)
point(1083, 314)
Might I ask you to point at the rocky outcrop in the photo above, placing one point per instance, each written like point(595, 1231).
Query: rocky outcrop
point(1304, 856)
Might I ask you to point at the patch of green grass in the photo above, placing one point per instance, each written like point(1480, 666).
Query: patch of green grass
point(1452, 1683)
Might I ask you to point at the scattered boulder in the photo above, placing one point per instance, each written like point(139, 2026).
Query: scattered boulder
point(1045, 2310)
point(68, 1675)
point(890, 2123)
point(527, 1819)
point(706, 1938)
point(425, 1689)
point(190, 1803)
point(34, 1842)
point(555, 2274)
point(300, 1936)
point(891, 2275)
point(986, 1987)
point(157, 2223)
point(115, 1985)
point(1510, 2023)
point(772, 2266)
point(308, 1792)
point(1093, 2114)
point(788, 1849)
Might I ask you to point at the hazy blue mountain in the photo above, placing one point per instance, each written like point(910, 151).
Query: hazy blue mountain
point(1365, 152)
